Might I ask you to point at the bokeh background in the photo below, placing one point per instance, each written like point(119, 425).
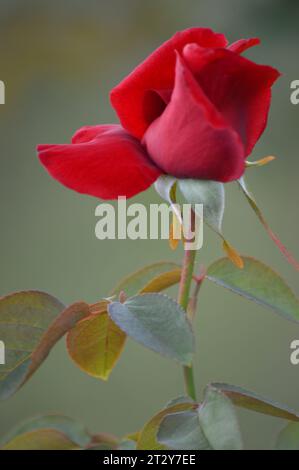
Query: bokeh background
point(59, 60)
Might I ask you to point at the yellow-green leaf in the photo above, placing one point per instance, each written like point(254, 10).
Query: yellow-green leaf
point(163, 281)
point(256, 282)
point(253, 402)
point(152, 278)
point(288, 438)
point(42, 439)
point(95, 344)
point(74, 430)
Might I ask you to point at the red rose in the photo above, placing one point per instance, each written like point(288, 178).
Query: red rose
point(193, 109)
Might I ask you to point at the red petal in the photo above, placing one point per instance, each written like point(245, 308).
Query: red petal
point(137, 99)
point(103, 161)
point(243, 44)
point(198, 57)
point(88, 133)
point(239, 89)
point(191, 138)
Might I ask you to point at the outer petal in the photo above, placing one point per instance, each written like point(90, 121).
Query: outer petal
point(103, 161)
point(243, 44)
point(239, 88)
point(137, 99)
point(191, 138)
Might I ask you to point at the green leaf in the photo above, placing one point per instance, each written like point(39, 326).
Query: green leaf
point(75, 431)
point(157, 322)
point(42, 439)
point(95, 344)
point(256, 282)
point(251, 401)
point(24, 317)
point(163, 281)
point(211, 425)
point(288, 438)
point(181, 431)
point(154, 277)
point(218, 421)
point(211, 195)
point(147, 439)
point(252, 202)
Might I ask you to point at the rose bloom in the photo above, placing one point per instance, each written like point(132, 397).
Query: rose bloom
point(195, 108)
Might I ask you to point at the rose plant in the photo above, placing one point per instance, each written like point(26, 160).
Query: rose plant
point(190, 115)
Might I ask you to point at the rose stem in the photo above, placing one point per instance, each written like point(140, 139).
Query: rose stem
point(183, 300)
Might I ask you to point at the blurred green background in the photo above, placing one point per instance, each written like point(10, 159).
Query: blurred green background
point(59, 60)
